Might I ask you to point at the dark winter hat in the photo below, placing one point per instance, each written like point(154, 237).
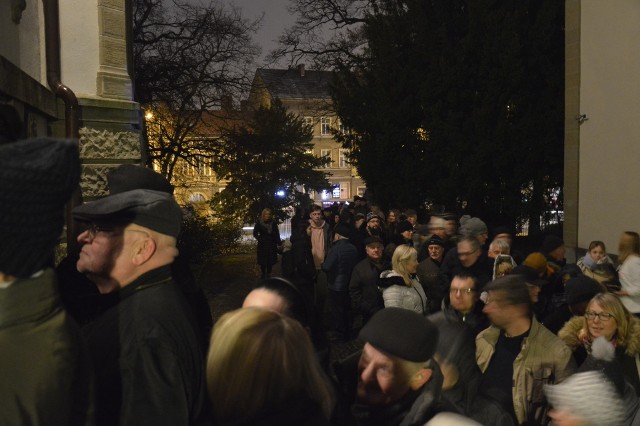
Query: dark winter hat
point(37, 178)
point(402, 333)
point(372, 240)
point(152, 209)
point(359, 216)
point(405, 225)
point(550, 243)
point(372, 216)
point(128, 177)
point(435, 241)
point(342, 230)
point(581, 289)
point(530, 275)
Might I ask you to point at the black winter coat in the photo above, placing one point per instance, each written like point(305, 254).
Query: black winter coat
point(268, 238)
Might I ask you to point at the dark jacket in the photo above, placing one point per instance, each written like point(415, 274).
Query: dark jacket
point(151, 367)
point(304, 266)
point(476, 320)
point(363, 288)
point(44, 368)
point(268, 237)
point(339, 263)
point(429, 276)
point(482, 269)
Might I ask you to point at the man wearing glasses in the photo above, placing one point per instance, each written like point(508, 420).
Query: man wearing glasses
point(463, 305)
point(146, 350)
point(468, 257)
point(517, 355)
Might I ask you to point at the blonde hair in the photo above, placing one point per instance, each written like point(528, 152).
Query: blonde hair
point(265, 210)
point(629, 244)
point(610, 303)
point(261, 360)
point(402, 254)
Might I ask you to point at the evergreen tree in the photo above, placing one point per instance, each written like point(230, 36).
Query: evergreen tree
point(268, 163)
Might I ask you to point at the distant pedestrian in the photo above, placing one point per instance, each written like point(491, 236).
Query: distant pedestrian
point(268, 236)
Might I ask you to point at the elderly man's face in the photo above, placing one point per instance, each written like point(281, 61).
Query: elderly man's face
point(101, 247)
point(374, 251)
point(436, 252)
point(381, 380)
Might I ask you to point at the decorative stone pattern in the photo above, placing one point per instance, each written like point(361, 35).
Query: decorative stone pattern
point(103, 144)
point(94, 181)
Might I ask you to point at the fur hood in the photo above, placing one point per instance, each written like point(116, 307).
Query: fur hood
point(389, 278)
point(571, 331)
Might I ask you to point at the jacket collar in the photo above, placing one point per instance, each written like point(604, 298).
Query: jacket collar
point(155, 277)
point(29, 300)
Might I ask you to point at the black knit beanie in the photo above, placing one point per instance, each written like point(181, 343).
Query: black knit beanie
point(37, 178)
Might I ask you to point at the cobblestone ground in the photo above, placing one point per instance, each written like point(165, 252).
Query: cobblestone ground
point(226, 280)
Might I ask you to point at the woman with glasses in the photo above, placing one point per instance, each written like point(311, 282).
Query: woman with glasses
point(606, 316)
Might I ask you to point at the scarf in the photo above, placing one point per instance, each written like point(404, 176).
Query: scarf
point(318, 249)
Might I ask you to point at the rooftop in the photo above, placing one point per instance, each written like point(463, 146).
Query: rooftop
point(296, 83)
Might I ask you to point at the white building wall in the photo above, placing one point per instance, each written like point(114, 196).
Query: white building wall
point(80, 50)
point(19, 42)
point(609, 149)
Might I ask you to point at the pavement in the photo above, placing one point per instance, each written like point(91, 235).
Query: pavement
point(227, 279)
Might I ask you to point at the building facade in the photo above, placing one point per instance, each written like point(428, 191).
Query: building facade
point(602, 121)
point(306, 93)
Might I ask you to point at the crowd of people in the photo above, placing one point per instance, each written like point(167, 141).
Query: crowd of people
point(457, 328)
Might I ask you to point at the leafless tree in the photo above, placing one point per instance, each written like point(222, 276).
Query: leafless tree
point(187, 58)
point(325, 33)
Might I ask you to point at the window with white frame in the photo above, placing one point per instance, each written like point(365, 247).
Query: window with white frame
point(344, 161)
point(327, 153)
point(309, 122)
point(325, 126)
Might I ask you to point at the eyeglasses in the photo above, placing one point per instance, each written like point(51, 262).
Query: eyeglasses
point(465, 254)
point(467, 290)
point(602, 316)
point(95, 229)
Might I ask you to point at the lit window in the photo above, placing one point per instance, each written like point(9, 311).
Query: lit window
point(344, 162)
point(336, 191)
point(325, 126)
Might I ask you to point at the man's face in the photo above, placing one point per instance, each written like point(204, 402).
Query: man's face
point(374, 251)
point(497, 309)
point(374, 223)
point(467, 254)
point(381, 379)
point(316, 217)
point(412, 220)
point(436, 252)
point(101, 247)
point(463, 295)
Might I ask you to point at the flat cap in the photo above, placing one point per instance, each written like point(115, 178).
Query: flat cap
point(402, 333)
point(155, 210)
point(372, 239)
